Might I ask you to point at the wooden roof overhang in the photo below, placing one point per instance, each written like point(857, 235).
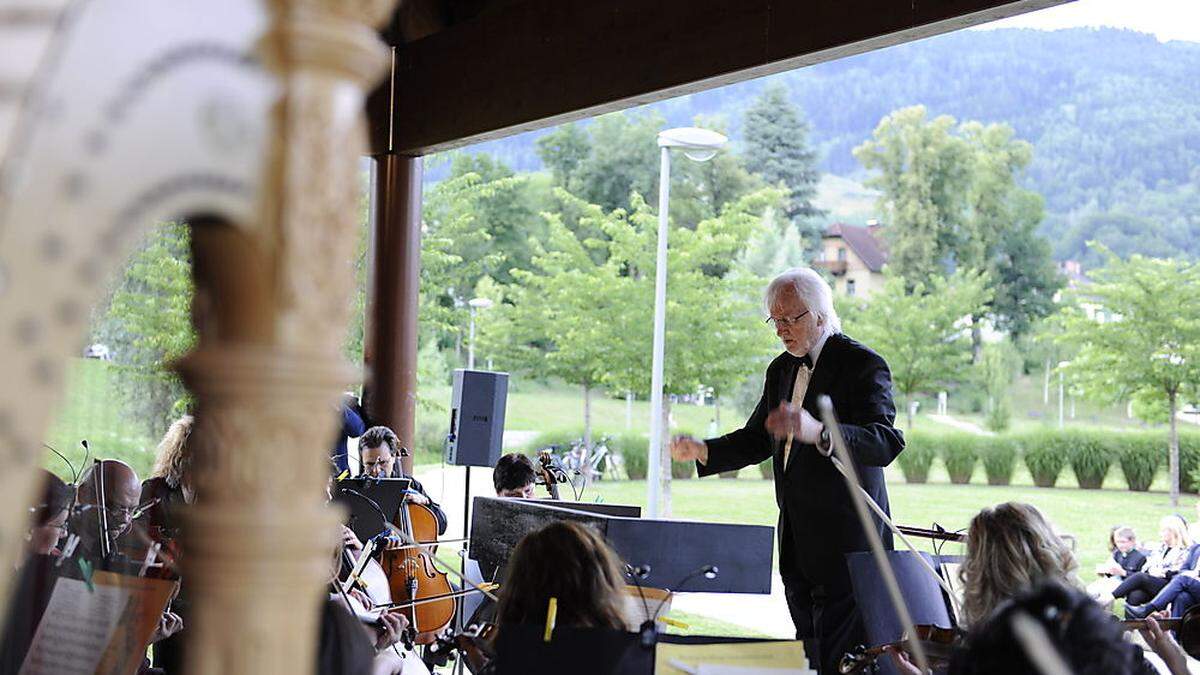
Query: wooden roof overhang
point(466, 71)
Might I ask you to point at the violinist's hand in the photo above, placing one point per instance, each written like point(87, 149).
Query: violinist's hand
point(169, 624)
point(901, 662)
point(686, 448)
point(794, 420)
point(416, 498)
point(394, 623)
point(1165, 646)
point(350, 541)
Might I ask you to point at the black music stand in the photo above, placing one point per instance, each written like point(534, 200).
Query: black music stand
point(923, 596)
point(386, 493)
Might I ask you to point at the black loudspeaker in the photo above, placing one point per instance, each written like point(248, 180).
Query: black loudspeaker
point(477, 405)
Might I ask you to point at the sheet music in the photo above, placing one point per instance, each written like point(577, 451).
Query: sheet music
point(75, 629)
point(769, 657)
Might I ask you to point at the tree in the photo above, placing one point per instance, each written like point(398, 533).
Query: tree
point(921, 331)
point(1148, 345)
point(456, 250)
point(776, 138)
point(923, 175)
point(618, 155)
point(563, 150)
point(582, 312)
point(953, 201)
point(149, 322)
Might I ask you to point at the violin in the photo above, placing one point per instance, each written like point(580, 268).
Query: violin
point(939, 644)
point(474, 644)
point(416, 584)
point(1186, 627)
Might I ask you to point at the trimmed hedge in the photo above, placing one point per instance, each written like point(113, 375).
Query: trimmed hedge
point(1090, 456)
point(634, 449)
point(917, 456)
point(999, 457)
point(959, 453)
point(1045, 456)
point(1140, 455)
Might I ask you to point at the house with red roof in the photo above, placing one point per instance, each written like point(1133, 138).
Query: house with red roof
point(854, 255)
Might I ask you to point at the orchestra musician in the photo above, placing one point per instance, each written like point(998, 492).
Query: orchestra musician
point(1077, 630)
point(122, 495)
point(570, 562)
point(817, 520)
point(513, 476)
point(168, 490)
point(379, 452)
point(35, 579)
point(1015, 558)
point(50, 514)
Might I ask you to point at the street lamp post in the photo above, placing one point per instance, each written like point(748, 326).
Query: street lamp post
point(1061, 366)
point(474, 304)
point(699, 145)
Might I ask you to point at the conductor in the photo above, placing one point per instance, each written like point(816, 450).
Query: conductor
point(817, 521)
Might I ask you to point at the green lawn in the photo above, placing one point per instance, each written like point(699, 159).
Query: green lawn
point(539, 407)
point(90, 409)
point(1085, 514)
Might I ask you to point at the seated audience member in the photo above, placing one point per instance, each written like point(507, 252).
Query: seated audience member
point(1181, 592)
point(514, 476)
point(1168, 559)
point(1076, 629)
point(1126, 560)
point(379, 452)
point(50, 515)
point(1010, 547)
point(568, 561)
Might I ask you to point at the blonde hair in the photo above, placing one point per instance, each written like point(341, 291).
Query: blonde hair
point(172, 459)
point(1010, 548)
point(1177, 526)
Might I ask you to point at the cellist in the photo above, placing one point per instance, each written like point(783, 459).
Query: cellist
point(378, 453)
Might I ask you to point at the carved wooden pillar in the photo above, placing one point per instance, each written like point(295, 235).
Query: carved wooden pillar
point(268, 369)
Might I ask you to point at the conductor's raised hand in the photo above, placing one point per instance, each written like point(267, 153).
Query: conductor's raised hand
point(796, 421)
point(686, 448)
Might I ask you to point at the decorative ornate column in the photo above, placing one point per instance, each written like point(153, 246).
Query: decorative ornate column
point(268, 369)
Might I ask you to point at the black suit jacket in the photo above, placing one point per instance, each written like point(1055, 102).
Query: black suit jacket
point(818, 524)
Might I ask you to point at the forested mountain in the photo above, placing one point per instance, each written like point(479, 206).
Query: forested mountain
point(1113, 116)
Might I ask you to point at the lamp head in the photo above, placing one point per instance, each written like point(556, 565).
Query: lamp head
point(699, 145)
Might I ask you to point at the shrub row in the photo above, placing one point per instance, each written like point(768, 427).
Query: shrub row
point(634, 448)
point(1090, 453)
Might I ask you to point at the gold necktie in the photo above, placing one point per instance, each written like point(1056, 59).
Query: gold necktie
point(798, 391)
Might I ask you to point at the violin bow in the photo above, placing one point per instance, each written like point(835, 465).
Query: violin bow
point(861, 498)
point(835, 432)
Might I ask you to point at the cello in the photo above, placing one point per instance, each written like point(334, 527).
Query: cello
point(416, 584)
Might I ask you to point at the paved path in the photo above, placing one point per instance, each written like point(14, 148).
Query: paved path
point(766, 614)
point(962, 425)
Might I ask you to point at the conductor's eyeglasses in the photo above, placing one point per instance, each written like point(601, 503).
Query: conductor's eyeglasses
point(786, 323)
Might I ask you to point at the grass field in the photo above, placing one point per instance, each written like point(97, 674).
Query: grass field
point(1085, 514)
point(90, 410)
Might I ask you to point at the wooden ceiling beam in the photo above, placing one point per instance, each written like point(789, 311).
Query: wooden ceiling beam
point(536, 63)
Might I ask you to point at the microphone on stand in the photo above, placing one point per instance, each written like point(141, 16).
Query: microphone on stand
point(649, 631)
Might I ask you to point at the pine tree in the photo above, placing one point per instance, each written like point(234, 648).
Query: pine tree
point(776, 137)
